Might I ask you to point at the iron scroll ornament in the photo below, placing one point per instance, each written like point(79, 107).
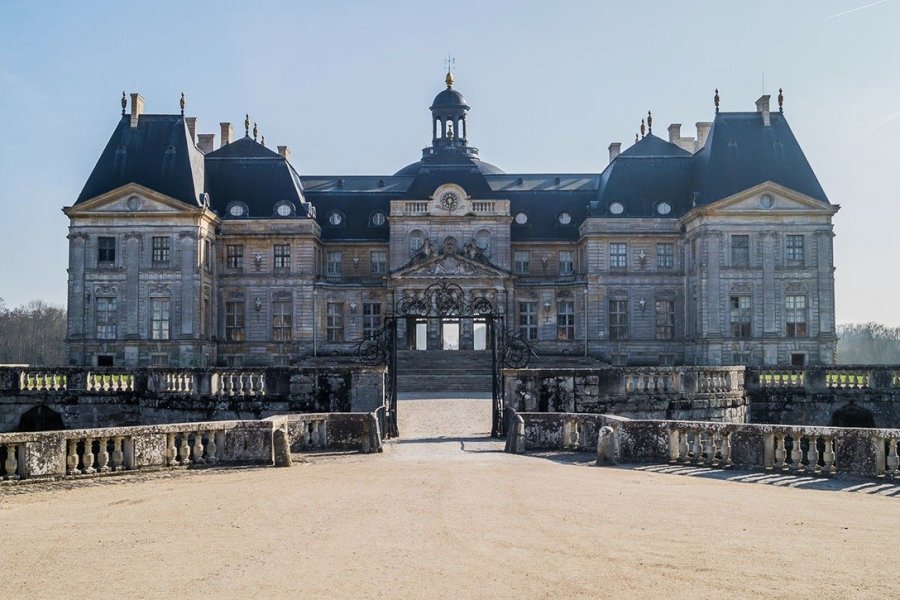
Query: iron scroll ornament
point(514, 352)
point(374, 349)
point(444, 299)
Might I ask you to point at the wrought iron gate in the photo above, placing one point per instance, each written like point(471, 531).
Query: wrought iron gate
point(445, 299)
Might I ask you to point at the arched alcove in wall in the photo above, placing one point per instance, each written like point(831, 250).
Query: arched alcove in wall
point(40, 418)
point(851, 415)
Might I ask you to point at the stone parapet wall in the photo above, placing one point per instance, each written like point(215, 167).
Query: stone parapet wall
point(818, 395)
point(708, 393)
point(98, 397)
point(818, 451)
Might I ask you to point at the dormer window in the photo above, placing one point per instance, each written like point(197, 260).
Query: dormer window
point(284, 209)
point(335, 218)
point(237, 209)
point(616, 208)
point(564, 218)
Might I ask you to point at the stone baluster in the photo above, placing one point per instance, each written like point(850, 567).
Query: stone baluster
point(812, 455)
point(780, 452)
point(87, 457)
point(102, 455)
point(262, 384)
point(828, 455)
point(171, 452)
point(197, 450)
point(769, 451)
point(117, 458)
point(725, 449)
point(184, 450)
point(12, 462)
point(314, 434)
point(323, 433)
point(697, 448)
point(893, 460)
point(710, 448)
point(674, 445)
point(72, 457)
point(683, 448)
point(212, 448)
point(796, 453)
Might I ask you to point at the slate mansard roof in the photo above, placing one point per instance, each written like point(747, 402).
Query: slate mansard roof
point(740, 152)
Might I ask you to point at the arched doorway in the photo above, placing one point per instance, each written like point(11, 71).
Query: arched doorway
point(851, 415)
point(40, 418)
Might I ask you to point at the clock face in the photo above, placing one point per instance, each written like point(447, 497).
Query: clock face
point(449, 201)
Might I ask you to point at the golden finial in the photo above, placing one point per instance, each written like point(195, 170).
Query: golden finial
point(649, 122)
point(255, 131)
point(124, 103)
point(247, 125)
point(642, 128)
point(181, 103)
point(449, 62)
point(780, 100)
point(449, 80)
point(716, 100)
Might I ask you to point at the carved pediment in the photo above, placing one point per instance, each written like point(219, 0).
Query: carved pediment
point(132, 199)
point(450, 265)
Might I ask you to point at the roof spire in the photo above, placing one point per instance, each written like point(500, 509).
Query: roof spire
point(780, 100)
point(124, 103)
point(247, 125)
point(255, 131)
point(649, 122)
point(448, 64)
point(716, 100)
point(181, 104)
point(642, 128)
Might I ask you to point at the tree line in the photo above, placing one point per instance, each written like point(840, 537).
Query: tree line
point(34, 333)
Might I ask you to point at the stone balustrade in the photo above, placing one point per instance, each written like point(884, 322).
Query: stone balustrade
point(806, 450)
point(239, 383)
point(68, 454)
point(825, 378)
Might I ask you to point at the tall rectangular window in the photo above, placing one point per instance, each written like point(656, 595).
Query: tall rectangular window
point(565, 320)
point(106, 318)
point(106, 250)
point(794, 248)
point(282, 256)
point(371, 318)
point(282, 320)
point(335, 321)
point(566, 263)
point(378, 259)
point(159, 318)
point(528, 324)
point(618, 256)
point(234, 256)
point(207, 256)
point(740, 251)
point(665, 319)
point(522, 261)
point(795, 316)
point(160, 247)
point(618, 320)
point(334, 264)
point(741, 317)
point(234, 321)
point(665, 256)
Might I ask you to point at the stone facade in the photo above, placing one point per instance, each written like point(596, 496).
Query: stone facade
point(735, 269)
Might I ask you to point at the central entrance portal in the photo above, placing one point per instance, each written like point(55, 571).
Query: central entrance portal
point(450, 334)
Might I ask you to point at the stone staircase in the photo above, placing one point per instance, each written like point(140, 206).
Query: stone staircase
point(443, 371)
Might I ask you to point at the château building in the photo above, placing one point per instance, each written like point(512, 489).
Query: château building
point(713, 249)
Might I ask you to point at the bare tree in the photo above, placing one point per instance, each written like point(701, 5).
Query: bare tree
point(33, 333)
point(869, 344)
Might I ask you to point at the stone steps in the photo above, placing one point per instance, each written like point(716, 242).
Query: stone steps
point(443, 371)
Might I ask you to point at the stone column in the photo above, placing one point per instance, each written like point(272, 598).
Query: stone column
point(825, 277)
point(132, 284)
point(769, 295)
point(713, 296)
point(77, 256)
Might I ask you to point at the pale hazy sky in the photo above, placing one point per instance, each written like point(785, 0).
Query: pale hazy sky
point(347, 86)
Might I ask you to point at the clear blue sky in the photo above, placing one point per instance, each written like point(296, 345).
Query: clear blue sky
point(347, 85)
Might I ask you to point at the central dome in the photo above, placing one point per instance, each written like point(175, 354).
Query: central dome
point(449, 98)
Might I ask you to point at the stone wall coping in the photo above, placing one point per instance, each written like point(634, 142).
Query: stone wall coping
point(133, 430)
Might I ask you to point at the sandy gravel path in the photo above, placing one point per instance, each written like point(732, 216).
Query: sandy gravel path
point(443, 513)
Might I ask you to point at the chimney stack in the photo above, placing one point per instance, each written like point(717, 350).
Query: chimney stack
point(227, 131)
point(207, 142)
point(137, 108)
point(614, 150)
point(192, 127)
point(762, 107)
point(674, 133)
point(702, 132)
point(285, 152)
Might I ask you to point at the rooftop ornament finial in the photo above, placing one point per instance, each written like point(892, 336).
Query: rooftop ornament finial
point(124, 103)
point(635, 138)
point(643, 128)
point(716, 100)
point(255, 131)
point(780, 100)
point(448, 64)
point(181, 104)
point(649, 122)
point(247, 125)
point(263, 141)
